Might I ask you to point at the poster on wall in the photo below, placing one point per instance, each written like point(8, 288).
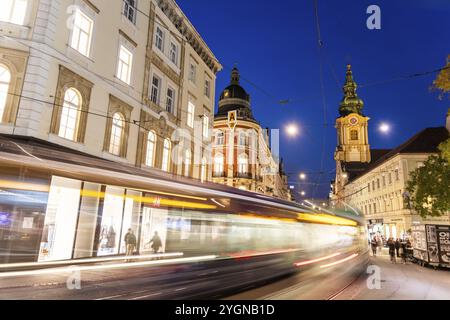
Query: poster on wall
point(419, 242)
point(433, 252)
point(443, 239)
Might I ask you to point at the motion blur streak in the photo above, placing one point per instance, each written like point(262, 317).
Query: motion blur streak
point(326, 218)
point(94, 194)
point(89, 260)
point(5, 184)
point(109, 266)
point(340, 261)
point(258, 254)
point(303, 263)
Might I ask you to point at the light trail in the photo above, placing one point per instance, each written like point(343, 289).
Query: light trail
point(340, 261)
point(303, 263)
point(110, 266)
point(88, 260)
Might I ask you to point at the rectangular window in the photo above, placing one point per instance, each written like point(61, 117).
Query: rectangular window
point(190, 114)
point(173, 55)
point(170, 103)
point(390, 178)
point(397, 176)
point(207, 88)
point(124, 65)
point(205, 126)
point(368, 187)
point(193, 73)
point(159, 39)
point(220, 138)
point(354, 135)
point(14, 11)
point(384, 181)
point(130, 10)
point(154, 94)
point(82, 33)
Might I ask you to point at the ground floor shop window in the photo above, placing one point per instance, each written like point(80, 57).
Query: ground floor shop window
point(111, 221)
point(60, 220)
point(87, 220)
point(131, 217)
point(154, 226)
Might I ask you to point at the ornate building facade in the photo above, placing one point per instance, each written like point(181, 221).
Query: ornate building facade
point(242, 154)
point(113, 79)
point(373, 181)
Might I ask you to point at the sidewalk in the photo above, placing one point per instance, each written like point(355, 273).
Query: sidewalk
point(401, 282)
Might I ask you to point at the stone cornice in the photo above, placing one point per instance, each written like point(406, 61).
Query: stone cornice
point(185, 27)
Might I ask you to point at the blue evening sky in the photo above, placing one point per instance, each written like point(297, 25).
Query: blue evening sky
point(274, 45)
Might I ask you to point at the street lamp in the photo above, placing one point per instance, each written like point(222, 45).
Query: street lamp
point(303, 193)
point(292, 130)
point(302, 176)
point(384, 128)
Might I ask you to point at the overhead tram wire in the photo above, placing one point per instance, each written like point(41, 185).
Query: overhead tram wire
point(322, 88)
point(406, 77)
point(183, 40)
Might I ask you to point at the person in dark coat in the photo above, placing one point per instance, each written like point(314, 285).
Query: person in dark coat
point(391, 246)
point(130, 242)
point(403, 252)
point(374, 245)
point(397, 247)
point(156, 242)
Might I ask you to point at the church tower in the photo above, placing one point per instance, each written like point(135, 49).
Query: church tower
point(352, 126)
point(353, 150)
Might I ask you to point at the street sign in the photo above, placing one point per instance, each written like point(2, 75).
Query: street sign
point(232, 119)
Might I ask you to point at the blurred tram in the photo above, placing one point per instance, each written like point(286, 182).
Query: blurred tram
point(60, 205)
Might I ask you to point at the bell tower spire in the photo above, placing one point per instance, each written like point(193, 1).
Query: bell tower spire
point(351, 103)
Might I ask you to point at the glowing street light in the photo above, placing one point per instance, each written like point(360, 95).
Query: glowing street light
point(384, 128)
point(302, 176)
point(292, 130)
point(303, 193)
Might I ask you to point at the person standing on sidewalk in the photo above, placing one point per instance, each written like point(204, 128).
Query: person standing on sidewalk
point(397, 247)
point(130, 242)
point(391, 246)
point(374, 245)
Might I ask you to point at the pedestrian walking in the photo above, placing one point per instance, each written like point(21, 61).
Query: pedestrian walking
point(403, 252)
point(397, 247)
point(391, 246)
point(130, 242)
point(155, 242)
point(374, 245)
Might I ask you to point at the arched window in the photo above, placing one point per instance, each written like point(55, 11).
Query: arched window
point(5, 79)
point(220, 138)
point(243, 163)
point(187, 163)
point(166, 155)
point(150, 156)
point(218, 163)
point(70, 114)
point(203, 170)
point(117, 131)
